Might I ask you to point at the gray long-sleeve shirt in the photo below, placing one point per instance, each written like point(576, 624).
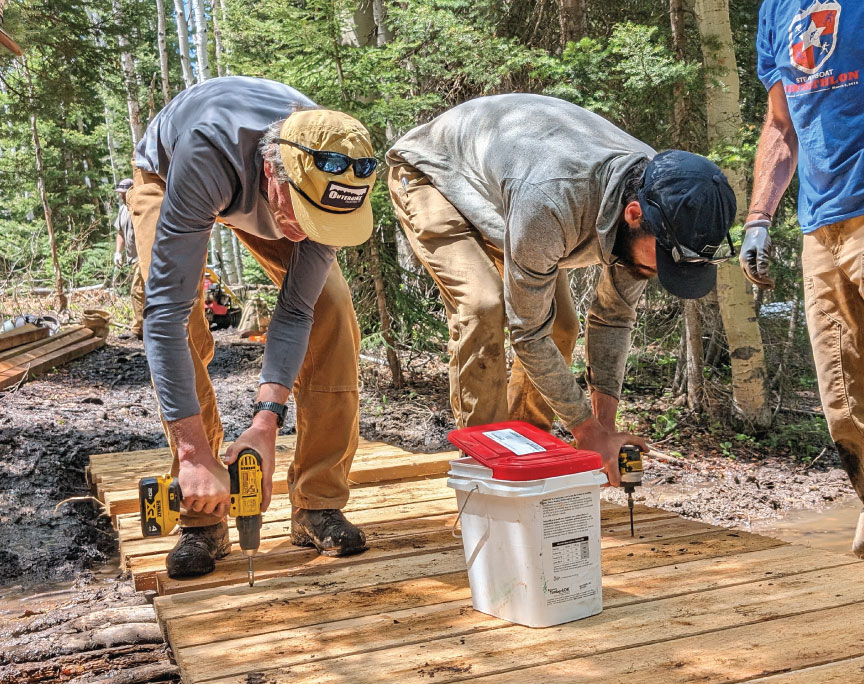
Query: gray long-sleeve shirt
point(204, 145)
point(541, 178)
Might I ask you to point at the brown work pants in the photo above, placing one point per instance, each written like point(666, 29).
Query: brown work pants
point(467, 270)
point(833, 262)
point(326, 391)
point(137, 295)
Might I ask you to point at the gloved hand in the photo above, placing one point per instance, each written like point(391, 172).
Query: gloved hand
point(755, 257)
point(118, 259)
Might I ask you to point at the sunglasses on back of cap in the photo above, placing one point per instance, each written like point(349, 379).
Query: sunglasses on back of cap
point(684, 255)
point(336, 163)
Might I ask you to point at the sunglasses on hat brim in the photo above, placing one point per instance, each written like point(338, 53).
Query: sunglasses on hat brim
point(336, 163)
point(685, 255)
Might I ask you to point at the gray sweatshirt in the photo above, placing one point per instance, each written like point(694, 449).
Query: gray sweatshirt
point(541, 179)
point(204, 145)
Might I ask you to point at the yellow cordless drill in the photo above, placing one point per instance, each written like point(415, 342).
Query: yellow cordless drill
point(630, 467)
point(160, 499)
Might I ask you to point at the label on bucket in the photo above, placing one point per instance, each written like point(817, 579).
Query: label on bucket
point(571, 549)
point(512, 440)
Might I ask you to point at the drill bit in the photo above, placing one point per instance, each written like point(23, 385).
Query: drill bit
point(630, 506)
point(251, 571)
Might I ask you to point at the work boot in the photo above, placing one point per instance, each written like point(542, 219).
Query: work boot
point(328, 531)
point(197, 549)
point(858, 542)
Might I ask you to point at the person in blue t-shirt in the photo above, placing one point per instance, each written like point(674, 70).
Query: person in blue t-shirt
point(811, 59)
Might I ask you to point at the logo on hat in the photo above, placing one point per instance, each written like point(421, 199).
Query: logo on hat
point(813, 35)
point(344, 196)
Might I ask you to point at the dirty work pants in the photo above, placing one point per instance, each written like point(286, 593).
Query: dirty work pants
point(467, 270)
point(137, 295)
point(833, 263)
point(326, 391)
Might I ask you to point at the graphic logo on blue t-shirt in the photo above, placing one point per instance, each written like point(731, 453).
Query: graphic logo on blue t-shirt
point(812, 35)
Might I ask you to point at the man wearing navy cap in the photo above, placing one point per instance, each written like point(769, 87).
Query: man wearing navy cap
point(500, 194)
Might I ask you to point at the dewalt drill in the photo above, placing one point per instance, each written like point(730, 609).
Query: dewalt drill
point(630, 467)
point(160, 499)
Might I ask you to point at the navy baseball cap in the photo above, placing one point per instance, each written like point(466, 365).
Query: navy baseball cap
point(689, 206)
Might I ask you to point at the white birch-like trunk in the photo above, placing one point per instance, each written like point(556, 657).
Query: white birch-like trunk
point(183, 43)
point(130, 79)
point(201, 56)
point(163, 51)
point(229, 265)
point(238, 257)
point(734, 294)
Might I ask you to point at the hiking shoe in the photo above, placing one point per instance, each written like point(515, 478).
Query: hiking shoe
point(858, 542)
point(328, 531)
point(197, 549)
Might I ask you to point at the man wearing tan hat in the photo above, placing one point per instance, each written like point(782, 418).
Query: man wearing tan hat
point(293, 182)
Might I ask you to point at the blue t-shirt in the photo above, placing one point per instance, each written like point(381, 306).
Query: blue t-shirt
point(816, 48)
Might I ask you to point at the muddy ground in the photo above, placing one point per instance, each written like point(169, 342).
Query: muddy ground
point(104, 403)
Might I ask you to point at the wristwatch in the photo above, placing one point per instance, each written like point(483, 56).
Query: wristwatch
point(279, 409)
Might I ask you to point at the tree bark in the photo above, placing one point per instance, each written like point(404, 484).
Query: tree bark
point(734, 294)
point(229, 263)
point(383, 314)
point(238, 257)
point(383, 33)
point(571, 17)
point(183, 43)
point(201, 55)
point(130, 78)
point(693, 332)
point(163, 52)
point(217, 41)
point(60, 300)
point(681, 103)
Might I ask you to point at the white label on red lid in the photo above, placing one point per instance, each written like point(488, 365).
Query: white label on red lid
point(512, 440)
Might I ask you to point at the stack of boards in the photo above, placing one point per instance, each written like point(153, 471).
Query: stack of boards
point(28, 351)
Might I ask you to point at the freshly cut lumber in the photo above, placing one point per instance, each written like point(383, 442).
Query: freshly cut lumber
point(363, 471)
point(615, 646)
point(20, 336)
point(13, 353)
point(52, 360)
point(839, 672)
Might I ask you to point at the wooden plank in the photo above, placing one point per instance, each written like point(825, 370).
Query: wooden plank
point(730, 655)
point(363, 471)
point(282, 557)
point(202, 618)
point(46, 363)
point(13, 358)
point(18, 337)
point(448, 642)
point(840, 672)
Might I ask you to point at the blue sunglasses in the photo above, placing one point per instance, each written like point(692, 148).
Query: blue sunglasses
point(336, 162)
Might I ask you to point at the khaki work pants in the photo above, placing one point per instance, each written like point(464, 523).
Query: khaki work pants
point(833, 264)
point(326, 391)
point(137, 295)
point(468, 271)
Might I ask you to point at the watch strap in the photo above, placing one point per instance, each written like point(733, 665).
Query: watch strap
point(279, 409)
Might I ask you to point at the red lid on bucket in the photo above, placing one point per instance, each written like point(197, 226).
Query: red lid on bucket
point(518, 451)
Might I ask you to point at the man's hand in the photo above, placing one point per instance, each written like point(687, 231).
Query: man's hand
point(755, 258)
point(203, 481)
point(118, 260)
point(261, 437)
point(591, 435)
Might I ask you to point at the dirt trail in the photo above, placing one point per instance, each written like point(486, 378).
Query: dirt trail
point(104, 403)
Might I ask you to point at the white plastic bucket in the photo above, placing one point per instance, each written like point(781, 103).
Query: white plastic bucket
point(533, 547)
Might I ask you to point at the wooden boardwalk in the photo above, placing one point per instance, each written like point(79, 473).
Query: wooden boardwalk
point(683, 601)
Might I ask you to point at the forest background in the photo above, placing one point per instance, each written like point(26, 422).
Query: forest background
point(674, 73)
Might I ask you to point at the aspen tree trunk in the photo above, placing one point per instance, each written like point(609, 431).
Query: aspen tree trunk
point(201, 41)
point(571, 17)
point(217, 42)
point(681, 104)
point(734, 294)
point(383, 314)
point(379, 12)
point(163, 52)
point(229, 263)
point(183, 43)
point(130, 79)
point(238, 257)
point(60, 301)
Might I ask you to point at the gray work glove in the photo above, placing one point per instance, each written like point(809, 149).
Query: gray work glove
point(755, 257)
point(118, 260)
